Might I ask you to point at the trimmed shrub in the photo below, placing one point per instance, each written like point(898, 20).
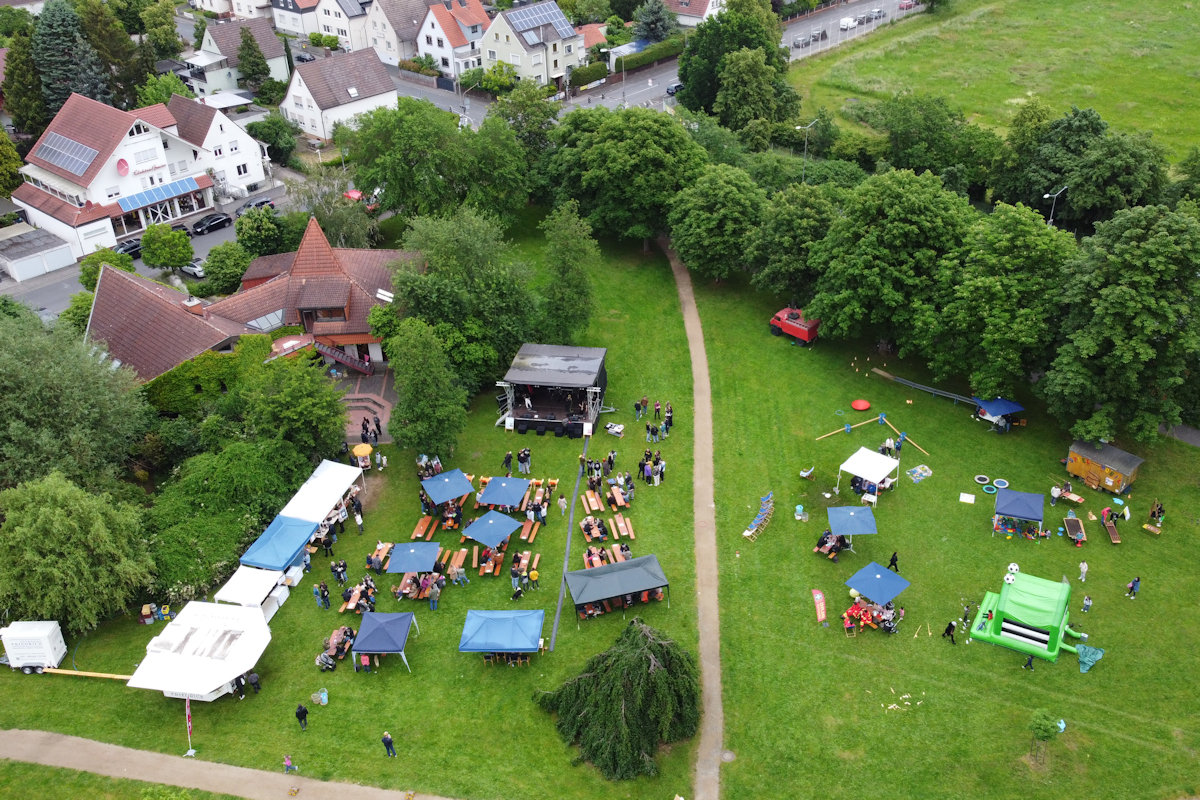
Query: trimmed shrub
point(655, 52)
point(420, 69)
point(585, 75)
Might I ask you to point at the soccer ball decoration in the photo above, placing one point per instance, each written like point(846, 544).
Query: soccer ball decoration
point(1014, 568)
point(1010, 578)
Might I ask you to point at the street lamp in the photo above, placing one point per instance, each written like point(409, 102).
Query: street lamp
point(605, 50)
point(805, 128)
point(1053, 203)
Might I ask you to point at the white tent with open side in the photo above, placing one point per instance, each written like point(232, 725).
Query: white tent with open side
point(322, 491)
point(202, 650)
point(249, 587)
point(872, 467)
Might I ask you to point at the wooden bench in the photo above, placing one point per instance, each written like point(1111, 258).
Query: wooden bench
point(625, 525)
point(533, 533)
point(1112, 532)
point(475, 558)
point(618, 497)
point(526, 526)
point(616, 554)
point(536, 559)
point(445, 557)
point(420, 531)
point(614, 528)
point(541, 491)
point(460, 558)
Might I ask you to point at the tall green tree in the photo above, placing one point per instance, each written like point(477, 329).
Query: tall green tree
point(430, 411)
point(261, 232)
point(158, 21)
point(879, 258)
point(129, 12)
point(654, 21)
point(700, 65)
point(1131, 331)
point(91, 79)
point(56, 53)
point(624, 167)
point(323, 192)
point(225, 266)
point(200, 27)
point(1001, 309)
point(747, 90)
point(571, 254)
point(10, 163)
point(532, 119)
point(252, 64)
point(1188, 187)
point(165, 248)
point(86, 433)
point(111, 42)
point(22, 87)
point(591, 11)
point(291, 401)
point(89, 266)
point(711, 219)
point(760, 10)
point(72, 557)
point(501, 184)
point(641, 692)
point(74, 318)
point(459, 247)
point(159, 88)
point(792, 222)
point(287, 53)
point(278, 133)
point(14, 20)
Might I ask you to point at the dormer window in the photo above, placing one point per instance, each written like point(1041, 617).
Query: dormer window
point(353, 91)
point(138, 129)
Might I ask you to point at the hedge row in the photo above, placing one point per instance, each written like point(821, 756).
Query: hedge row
point(592, 72)
point(655, 52)
point(420, 69)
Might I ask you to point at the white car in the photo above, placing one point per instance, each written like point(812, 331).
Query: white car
point(847, 23)
point(195, 268)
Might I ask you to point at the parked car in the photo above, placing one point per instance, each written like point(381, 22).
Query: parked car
point(304, 57)
point(257, 202)
point(877, 13)
point(179, 226)
point(800, 41)
point(862, 19)
point(819, 35)
point(673, 88)
point(847, 23)
point(211, 223)
point(905, 5)
point(195, 268)
point(130, 247)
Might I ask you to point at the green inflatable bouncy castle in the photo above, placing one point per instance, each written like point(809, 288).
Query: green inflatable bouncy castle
point(1029, 615)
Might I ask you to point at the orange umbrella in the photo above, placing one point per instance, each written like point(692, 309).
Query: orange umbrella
point(361, 450)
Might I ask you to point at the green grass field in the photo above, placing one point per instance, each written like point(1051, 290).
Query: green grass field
point(35, 782)
point(1136, 65)
point(803, 703)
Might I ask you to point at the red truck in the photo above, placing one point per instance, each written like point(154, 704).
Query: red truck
point(792, 322)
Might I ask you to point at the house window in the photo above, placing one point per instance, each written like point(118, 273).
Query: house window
point(507, 38)
point(220, 127)
point(171, 167)
point(332, 314)
point(474, 29)
point(515, 59)
point(182, 166)
point(374, 42)
point(142, 156)
point(233, 146)
point(296, 21)
point(555, 46)
point(429, 40)
point(374, 25)
point(242, 169)
point(537, 58)
point(556, 63)
point(195, 155)
point(441, 43)
point(310, 105)
point(337, 14)
point(445, 61)
point(497, 37)
point(327, 29)
point(312, 123)
point(113, 191)
point(327, 12)
point(138, 129)
point(540, 80)
point(388, 42)
point(570, 49)
point(491, 55)
point(166, 144)
point(297, 102)
point(342, 32)
point(218, 151)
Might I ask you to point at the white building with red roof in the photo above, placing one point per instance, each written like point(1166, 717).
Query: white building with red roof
point(692, 12)
point(98, 174)
point(451, 33)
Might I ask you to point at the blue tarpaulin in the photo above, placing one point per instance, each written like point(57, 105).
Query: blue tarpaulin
point(502, 632)
point(447, 486)
point(491, 529)
point(1020, 505)
point(280, 544)
point(413, 557)
point(877, 583)
point(998, 407)
point(852, 521)
point(504, 492)
point(385, 633)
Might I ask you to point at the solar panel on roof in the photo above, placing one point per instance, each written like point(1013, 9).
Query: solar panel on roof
point(158, 194)
point(523, 19)
point(530, 37)
point(66, 153)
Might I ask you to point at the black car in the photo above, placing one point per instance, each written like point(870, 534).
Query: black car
point(673, 88)
point(130, 247)
point(211, 223)
point(250, 205)
point(304, 57)
point(179, 226)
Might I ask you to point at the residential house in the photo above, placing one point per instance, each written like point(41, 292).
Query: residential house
point(336, 89)
point(392, 26)
point(297, 17)
point(98, 173)
point(253, 9)
point(537, 40)
point(222, 8)
point(451, 34)
point(692, 12)
point(151, 328)
point(345, 19)
point(213, 67)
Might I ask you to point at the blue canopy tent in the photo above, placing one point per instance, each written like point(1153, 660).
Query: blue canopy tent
point(447, 486)
point(1025, 506)
point(381, 633)
point(414, 557)
point(491, 529)
point(994, 411)
point(877, 583)
point(280, 545)
point(851, 521)
point(504, 492)
point(502, 632)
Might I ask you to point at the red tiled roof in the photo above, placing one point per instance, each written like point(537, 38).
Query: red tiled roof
point(268, 266)
point(145, 325)
point(194, 119)
point(329, 80)
point(591, 33)
point(315, 256)
point(61, 210)
point(469, 12)
point(91, 124)
point(689, 8)
point(447, 23)
point(227, 37)
point(249, 305)
point(156, 115)
point(319, 292)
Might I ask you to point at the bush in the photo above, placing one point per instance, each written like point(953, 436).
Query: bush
point(585, 75)
point(318, 40)
point(288, 330)
point(271, 93)
point(655, 52)
point(419, 68)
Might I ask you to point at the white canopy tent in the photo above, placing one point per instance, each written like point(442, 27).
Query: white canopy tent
point(322, 491)
point(871, 466)
point(249, 587)
point(202, 650)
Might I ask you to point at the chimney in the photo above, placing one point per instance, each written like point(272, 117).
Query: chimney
point(194, 305)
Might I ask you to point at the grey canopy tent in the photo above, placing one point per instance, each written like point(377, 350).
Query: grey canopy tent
point(382, 633)
point(616, 580)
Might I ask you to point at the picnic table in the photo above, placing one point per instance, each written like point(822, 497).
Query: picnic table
point(592, 557)
point(626, 526)
point(583, 526)
point(353, 601)
point(382, 552)
point(1074, 528)
point(422, 526)
point(618, 497)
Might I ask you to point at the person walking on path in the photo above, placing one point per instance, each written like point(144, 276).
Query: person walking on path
point(1087, 603)
point(288, 766)
point(562, 505)
point(950, 631)
point(1028, 664)
point(387, 745)
point(1083, 568)
point(1133, 587)
point(302, 715)
point(378, 427)
point(892, 564)
point(252, 679)
point(435, 592)
point(1055, 493)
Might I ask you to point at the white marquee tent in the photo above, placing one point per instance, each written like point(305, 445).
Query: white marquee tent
point(322, 491)
point(249, 587)
point(871, 466)
point(202, 650)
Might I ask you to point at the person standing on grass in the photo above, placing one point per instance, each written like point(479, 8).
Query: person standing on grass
point(435, 592)
point(657, 409)
point(562, 505)
point(317, 594)
point(324, 595)
point(387, 745)
point(1083, 568)
point(1028, 664)
point(252, 679)
point(1133, 587)
point(358, 521)
point(662, 471)
point(647, 431)
point(515, 574)
point(1087, 603)
point(637, 410)
point(288, 766)
point(892, 564)
point(950, 631)
point(1055, 493)
point(507, 461)
point(365, 660)
point(533, 578)
point(302, 716)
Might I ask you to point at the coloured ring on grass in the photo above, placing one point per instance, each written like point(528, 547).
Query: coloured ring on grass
point(840, 413)
point(982, 479)
point(989, 489)
point(1000, 483)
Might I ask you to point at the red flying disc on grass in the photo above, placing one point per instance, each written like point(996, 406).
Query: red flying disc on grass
point(860, 405)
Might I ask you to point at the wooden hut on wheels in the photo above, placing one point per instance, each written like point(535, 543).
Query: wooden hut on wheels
point(1103, 466)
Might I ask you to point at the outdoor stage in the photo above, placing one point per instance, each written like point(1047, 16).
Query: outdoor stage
point(553, 389)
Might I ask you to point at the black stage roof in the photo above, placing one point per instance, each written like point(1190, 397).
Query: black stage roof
point(558, 366)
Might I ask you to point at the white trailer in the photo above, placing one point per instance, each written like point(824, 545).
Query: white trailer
point(33, 646)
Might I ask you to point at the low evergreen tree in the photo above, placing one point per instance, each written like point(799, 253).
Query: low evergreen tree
point(251, 62)
point(654, 21)
point(22, 87)
point(55, 44)
point(90, 79)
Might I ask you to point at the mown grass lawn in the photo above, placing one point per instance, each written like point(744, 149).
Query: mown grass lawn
point(462, 729)
point(1135, 64)
point(803, 703)
point(36, 782)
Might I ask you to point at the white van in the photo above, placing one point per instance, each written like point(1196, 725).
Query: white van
point(33, 646)
point(847, 23)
